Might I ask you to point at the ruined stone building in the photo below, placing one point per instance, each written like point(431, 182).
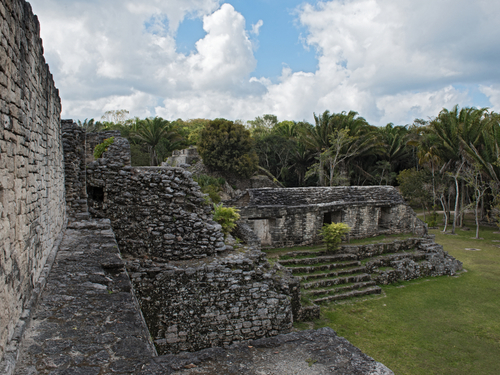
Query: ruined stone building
point(161, 249)
point(293, 216)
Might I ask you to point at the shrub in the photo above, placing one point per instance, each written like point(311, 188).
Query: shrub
point(332, 234)
point(228, 147)
point(102, 147)
point(226, 217)
point(210, 185)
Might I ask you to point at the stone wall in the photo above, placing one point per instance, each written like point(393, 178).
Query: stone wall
point(93, 139)
point(193, 306)
point(183, 157)
point(293, 216)
point(32, 209)
point(194, 290)
point(155, 211)
point(73, 138)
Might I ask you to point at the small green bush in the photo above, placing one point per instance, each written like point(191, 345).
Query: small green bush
point(226, 217)
point(102, 147)
point(210, 185)
point(332, 234)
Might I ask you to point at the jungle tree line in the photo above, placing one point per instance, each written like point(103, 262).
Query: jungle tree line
point(450, 161)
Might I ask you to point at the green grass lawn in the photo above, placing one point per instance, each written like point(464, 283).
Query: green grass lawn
point(444, 325)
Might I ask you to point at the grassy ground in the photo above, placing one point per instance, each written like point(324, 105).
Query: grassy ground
point(444, 325)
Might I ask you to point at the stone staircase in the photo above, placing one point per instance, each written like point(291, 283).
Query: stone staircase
point(326, 277)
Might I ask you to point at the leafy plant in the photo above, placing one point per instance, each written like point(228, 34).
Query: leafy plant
point(227, 146)
point(226, 217)
point(332, 234)
point(210, 185)
point(102, 147)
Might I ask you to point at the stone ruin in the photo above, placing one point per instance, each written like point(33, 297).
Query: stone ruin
point(194, 290)
point(293, 216)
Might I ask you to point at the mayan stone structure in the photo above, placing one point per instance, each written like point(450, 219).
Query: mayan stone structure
point(293, 216)
point(194, 290)
point(32, 208)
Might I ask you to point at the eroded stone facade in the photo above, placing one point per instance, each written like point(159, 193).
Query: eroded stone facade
point(193, 306)
point(32, 208)
point(194, 290)
point(293, 216)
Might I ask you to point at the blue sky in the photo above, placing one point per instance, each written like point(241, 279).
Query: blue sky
point(389, 60)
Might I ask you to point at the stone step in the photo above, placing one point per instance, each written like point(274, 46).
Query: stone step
point(324, 267)
point(316, 260)
point(353, 293)
point(336, 281)
point(337, 273)
point(414, 255)
point(341, 289)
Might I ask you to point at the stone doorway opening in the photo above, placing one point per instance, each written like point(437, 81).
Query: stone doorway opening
point(332, 217)
point(385, 218)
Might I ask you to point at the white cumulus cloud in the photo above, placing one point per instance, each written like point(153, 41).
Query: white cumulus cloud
point(391, 61)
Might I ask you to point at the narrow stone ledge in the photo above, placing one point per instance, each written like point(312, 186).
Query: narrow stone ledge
point(87, 318)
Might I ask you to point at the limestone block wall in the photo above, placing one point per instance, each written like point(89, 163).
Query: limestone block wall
point(32, 208)
point(195, 306)
point(155, 211)
point(74, 167)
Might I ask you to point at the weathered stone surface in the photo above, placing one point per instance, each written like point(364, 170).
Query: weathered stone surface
point(73, 138)
point(318, 352)
point(32, 209)
point(182, 158)
point(93, 139)
point(231, 298)
point(88, 320)
point(155, 211)
point(293, 216)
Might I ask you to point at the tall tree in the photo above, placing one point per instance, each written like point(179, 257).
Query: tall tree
point(227, 146)
point(454, 129)
point(152, 131)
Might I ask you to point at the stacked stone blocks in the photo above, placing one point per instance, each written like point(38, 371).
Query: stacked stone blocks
point(32, 209)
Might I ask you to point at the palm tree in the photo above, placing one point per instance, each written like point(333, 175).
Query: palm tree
point(151, 131)
point(318, 139)
point(454, 129)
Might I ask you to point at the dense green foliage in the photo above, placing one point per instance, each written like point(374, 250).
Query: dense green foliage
point(226, 217)
point(102, 147)
point(210, 185)
point(227, 146)
point(332, 234)
point(450, 161)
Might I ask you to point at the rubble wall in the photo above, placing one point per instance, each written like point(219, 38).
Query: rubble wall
point(73, 138)
point(32, 208)
point(191, 307)
point(195, 292)
point(154, 211)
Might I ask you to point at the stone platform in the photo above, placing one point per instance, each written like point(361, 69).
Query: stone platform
point(88, 322)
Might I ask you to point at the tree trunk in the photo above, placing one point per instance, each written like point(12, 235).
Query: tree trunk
point(321, 172)
point(477, 218)
point(462, 204)
point(443, 204)
point(457, 196)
